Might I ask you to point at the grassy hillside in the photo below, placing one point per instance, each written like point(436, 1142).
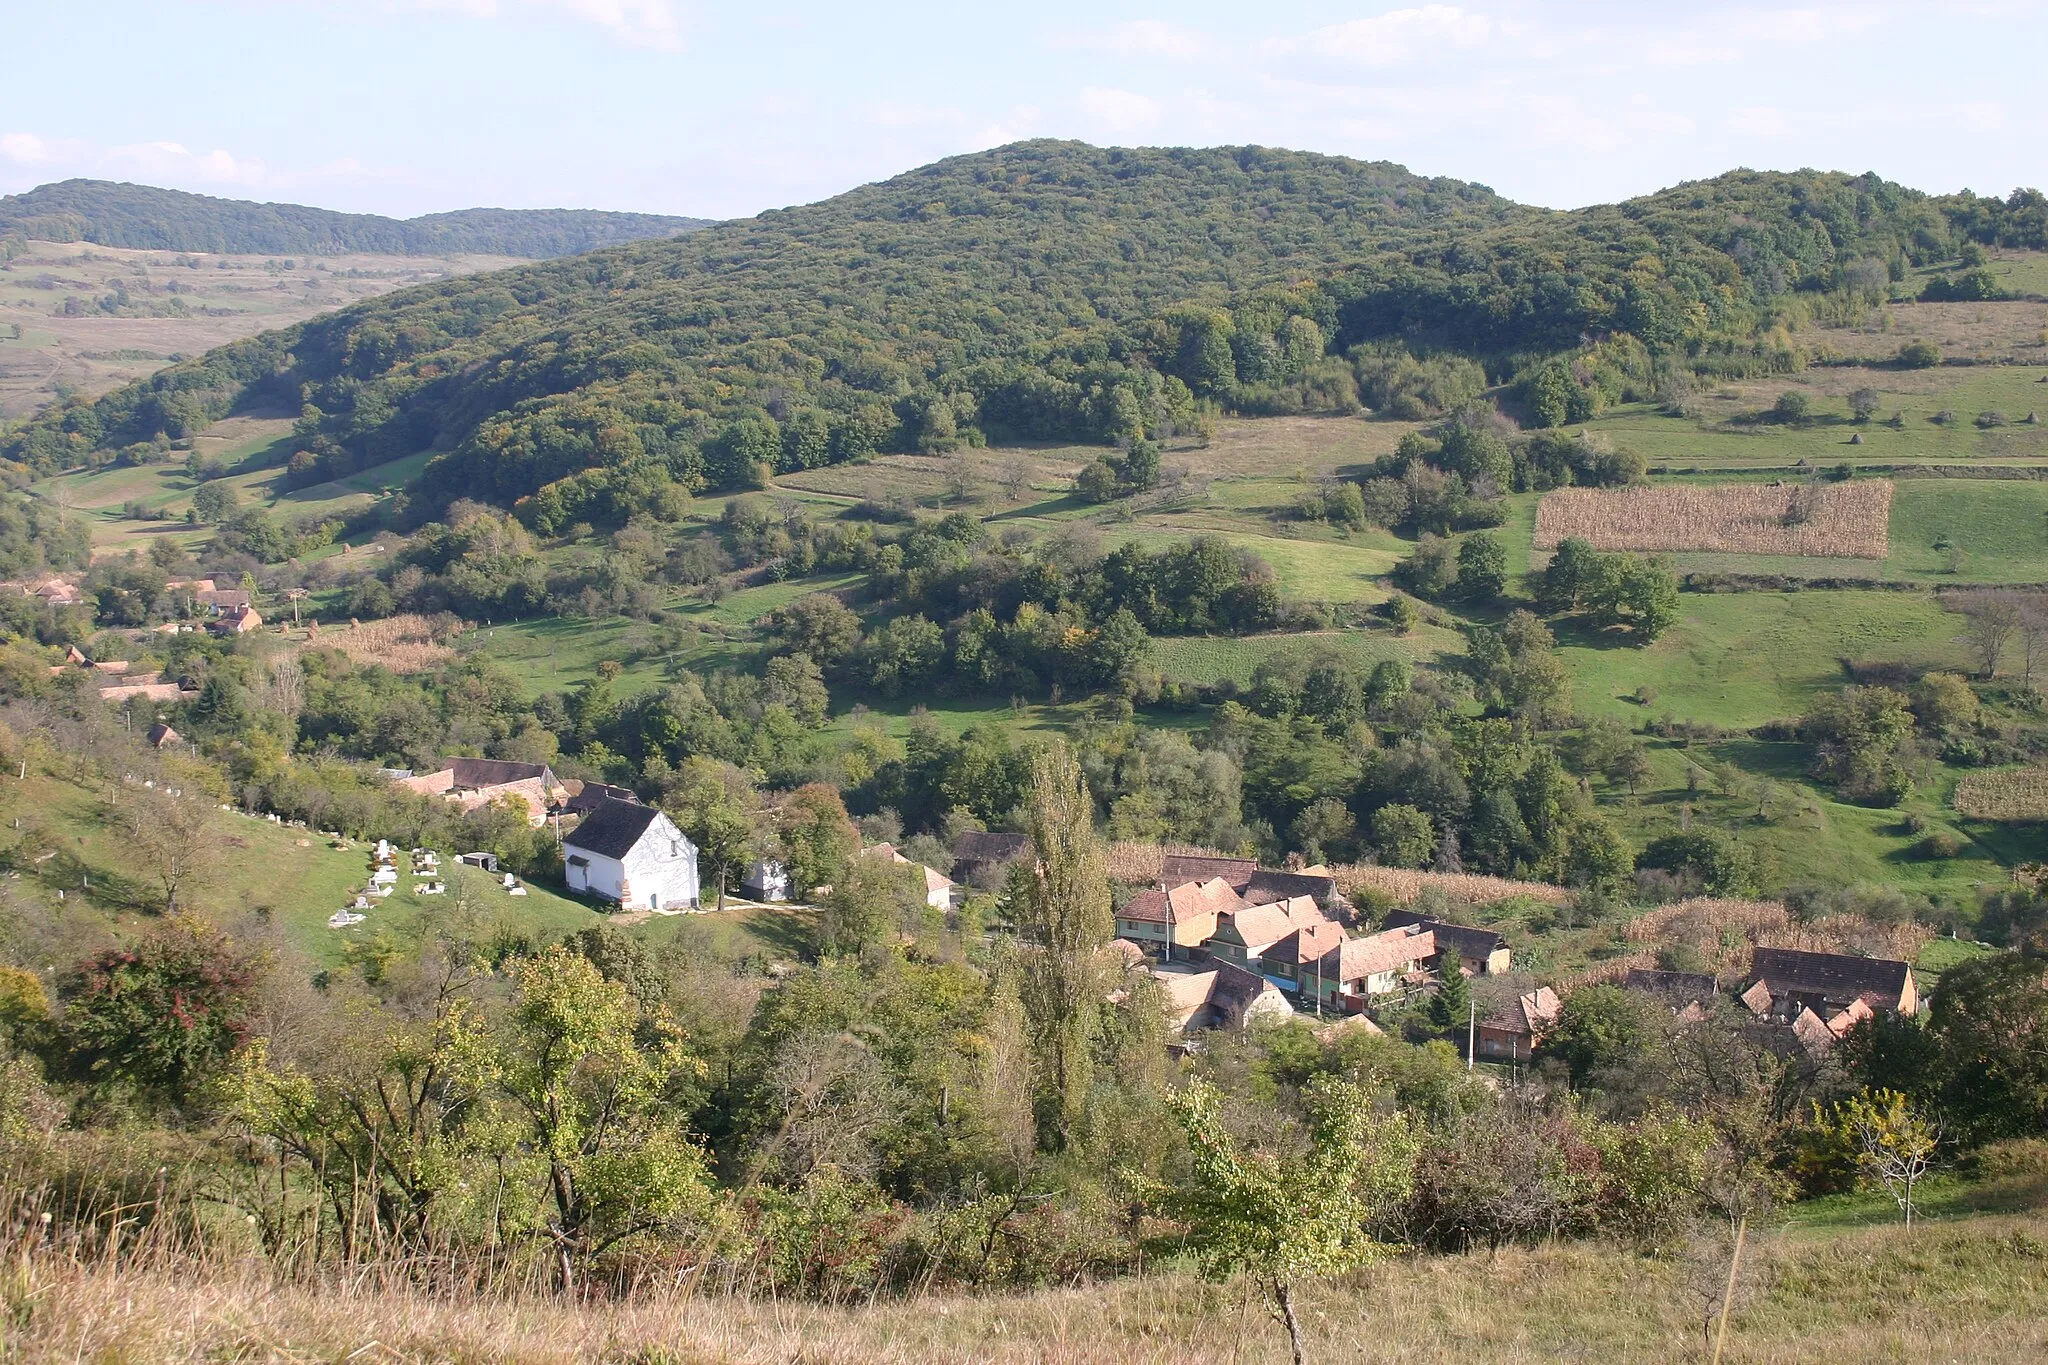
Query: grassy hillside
point(291, 880)
point(107, 213)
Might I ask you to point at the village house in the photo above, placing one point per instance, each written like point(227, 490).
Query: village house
point(940, 891)
point(1245, 936)
point(585, 797)
point(162, 736)
point(1480, 952)
point(632, 855)
point(238, 620)
point(1516, 1031)
point(1820, 997)
point(1175, 923)
point(1220, 995)
point(982, 859)
point(1334, 972)
point(474, 782)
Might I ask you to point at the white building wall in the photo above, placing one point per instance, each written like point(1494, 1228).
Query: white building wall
point(599, 875)
point(661, 870)
point(658, 872)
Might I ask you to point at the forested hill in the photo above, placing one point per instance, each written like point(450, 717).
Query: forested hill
point(1043, 290)
point(107, 213)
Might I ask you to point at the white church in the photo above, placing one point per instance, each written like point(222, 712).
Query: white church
point(632, 854)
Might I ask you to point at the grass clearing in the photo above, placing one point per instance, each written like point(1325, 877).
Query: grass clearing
point(1739, 659)
point(1845, 519)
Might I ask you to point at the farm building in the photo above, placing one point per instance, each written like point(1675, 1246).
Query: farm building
point(1176, 922)
point(1784, 981)
point(474, 782)
point(981, 859)
point(633, 855)
point(1219, 995)
point(1480, 952)
point(766, 880)
point(1515, 1032)
point(1680, 990)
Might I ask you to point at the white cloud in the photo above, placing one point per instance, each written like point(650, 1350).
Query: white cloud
point(1120, 113)
point(1391, 39)
point(1143, 38)
point(644, 23)
point(24, 149)
point(1758, 120)
point(173, 161)
point(1689, 49)
point(1808, 25)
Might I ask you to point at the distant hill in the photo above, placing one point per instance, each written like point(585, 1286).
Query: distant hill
point(1045, 290)
point(107, 213)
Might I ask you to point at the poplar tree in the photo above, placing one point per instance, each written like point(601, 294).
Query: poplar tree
point(1064, 921)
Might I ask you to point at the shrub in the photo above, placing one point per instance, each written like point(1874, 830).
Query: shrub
point(1993, 418)
point(1939, 845)
point(1919, 355)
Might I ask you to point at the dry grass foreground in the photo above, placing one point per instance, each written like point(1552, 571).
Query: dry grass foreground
point(1841, 521)
point(2007, 794)
point(1970, 1290)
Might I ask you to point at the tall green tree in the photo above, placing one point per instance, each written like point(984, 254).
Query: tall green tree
point(1065, 921)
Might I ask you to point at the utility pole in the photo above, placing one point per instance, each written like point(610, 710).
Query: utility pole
point(1471, 1032)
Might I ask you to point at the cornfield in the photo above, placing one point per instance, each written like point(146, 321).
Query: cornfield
point(1406, 884)
point(1725, 932)
point(2009, 794)
point(1139, 864)
point(403, 644)
point(1843, 520)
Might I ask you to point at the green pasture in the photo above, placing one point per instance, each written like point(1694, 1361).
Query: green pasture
point(1804, 833)
point(1712, 441)
point(1737, 660)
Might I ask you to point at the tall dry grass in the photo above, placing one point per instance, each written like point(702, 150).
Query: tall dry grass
point(2009, 794)
point(410, 643)
point(1843, 520)
point(1968, 1290)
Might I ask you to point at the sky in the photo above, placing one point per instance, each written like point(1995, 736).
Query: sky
point(722, 110)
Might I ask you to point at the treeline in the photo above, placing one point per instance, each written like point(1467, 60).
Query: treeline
point(107, 213)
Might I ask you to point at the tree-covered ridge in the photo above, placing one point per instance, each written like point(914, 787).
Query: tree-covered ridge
point(993, 289)
point(1046, 290)
point(107, 213)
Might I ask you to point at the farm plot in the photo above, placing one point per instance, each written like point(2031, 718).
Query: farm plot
point(1847, 520)
point(2008, 794)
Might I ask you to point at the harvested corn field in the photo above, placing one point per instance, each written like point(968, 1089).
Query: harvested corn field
point(2009, 794)
point(1836, 520)
point(403, 644)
